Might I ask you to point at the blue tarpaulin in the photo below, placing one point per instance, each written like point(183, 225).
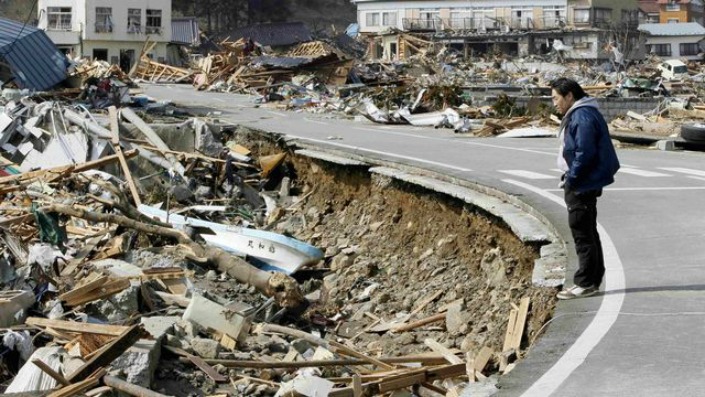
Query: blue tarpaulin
point(33, 59)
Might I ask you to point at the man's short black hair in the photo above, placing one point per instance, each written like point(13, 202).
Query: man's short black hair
point(565, 85)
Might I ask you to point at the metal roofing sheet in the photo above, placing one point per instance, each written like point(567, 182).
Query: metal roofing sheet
point(673, 29)
point(33, 58)
point(185, 31)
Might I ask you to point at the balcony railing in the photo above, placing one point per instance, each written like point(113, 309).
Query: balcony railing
point(482, 24)
point(421, 24)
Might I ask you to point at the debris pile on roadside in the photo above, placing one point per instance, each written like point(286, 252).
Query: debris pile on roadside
point(134, 258)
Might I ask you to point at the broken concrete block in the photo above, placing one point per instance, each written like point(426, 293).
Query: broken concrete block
point(138, 363)
point(309, 386)
point(209, 314)
point(205, 348)
point(118, 307)
point(159, 325)
point(457, 319)
point(13, 305)
point(666, 145)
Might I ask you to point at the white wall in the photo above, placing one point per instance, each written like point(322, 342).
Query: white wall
point(119, 17)
point(675, 45)
point(404, 8)
point(84, 39)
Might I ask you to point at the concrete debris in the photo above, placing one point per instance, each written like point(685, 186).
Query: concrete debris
point(159, 250)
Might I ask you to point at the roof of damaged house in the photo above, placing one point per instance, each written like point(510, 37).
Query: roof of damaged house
point(273, 34)
point(673, 29)
point(185, 31)
point(33, 59)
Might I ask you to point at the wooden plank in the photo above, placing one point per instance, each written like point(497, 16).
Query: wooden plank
point(176, 286)
point(80, 386)
point(50, 371)
point(72, 326)
point(520, 324)
point(443, 351)
point(112, 351)
point(357, 385)
point(82, 254)
point(115, 130)
point(419, 323)
point(76, 293)
point(511, 324)
point(207, 369)
point(107, 289)
point(482, 359)
point(427, 301)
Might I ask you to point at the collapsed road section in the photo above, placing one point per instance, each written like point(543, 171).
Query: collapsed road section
point(174, 255)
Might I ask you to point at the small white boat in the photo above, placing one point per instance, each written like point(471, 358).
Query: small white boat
point(270, 251)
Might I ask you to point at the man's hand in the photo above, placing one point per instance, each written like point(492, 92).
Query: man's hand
point(561, 184)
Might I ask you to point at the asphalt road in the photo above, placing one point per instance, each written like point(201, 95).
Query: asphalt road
point(641, 337)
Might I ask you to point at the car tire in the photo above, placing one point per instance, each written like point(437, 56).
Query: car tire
point(693, 132)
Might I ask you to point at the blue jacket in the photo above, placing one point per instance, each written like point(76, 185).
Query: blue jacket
point(588, 150)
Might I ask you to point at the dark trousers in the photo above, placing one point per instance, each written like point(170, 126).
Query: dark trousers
point(582, 218)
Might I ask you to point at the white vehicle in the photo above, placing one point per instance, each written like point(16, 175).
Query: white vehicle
point(673, 69)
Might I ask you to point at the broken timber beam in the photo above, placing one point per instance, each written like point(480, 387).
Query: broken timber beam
point(107, 356)
point(115, 130)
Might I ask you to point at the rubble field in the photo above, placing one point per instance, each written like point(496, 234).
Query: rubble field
point(389, 247)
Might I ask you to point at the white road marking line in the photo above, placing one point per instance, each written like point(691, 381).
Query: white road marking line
point(687, 171)
point(527, 174)
point(455, 141)
point(643, 189)
point(359, 149)
point(644, 173)
point(604, 319)
point(700, 178)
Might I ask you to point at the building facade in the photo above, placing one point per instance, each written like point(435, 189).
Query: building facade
point(675, 40)
point(512, 27)
point(680, 11)
point(107, 30)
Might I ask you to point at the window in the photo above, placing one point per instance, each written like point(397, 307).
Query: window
point(484, 18)
point(581, 16)
point(689, 49)
point(103, 19)
point(389, 19)
point(553, 16)
point(673, 20)
point(603, 15)
point(58, 18)
point(461, 19)
point(663, 50)
point(673, 7)
point(134, 20)
point(100, 54)
point(429, 17)
point(372, 19)
point(154, 22)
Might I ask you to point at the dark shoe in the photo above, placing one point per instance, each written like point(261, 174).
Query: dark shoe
point(576, 292)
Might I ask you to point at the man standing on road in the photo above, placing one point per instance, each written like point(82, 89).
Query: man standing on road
point(588, 161)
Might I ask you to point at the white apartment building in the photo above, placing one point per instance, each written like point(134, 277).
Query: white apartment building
point(114, 31)
point(514, 27)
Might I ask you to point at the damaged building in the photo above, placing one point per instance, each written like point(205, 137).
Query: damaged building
point(578, 29)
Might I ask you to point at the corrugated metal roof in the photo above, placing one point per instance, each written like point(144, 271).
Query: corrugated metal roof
point(273, 34)
point(673, 29)
point(34, 60)
point(185, 31)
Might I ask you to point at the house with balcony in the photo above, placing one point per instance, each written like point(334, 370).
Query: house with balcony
point(679, 11)
point(650, 11)
point(107, 30)
point(510, 27)
point(674, 40)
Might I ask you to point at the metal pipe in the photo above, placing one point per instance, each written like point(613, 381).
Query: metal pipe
point(129, 388)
